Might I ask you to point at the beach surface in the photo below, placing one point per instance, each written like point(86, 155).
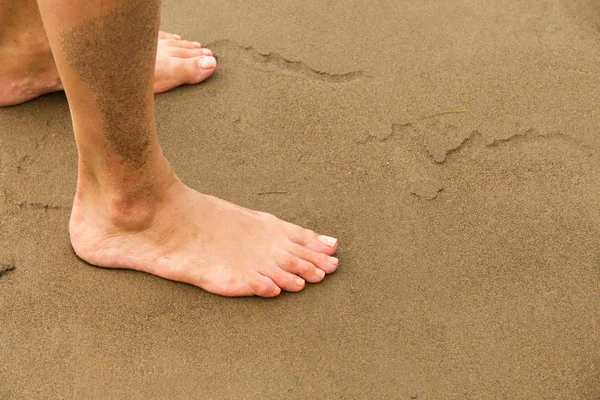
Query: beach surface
point(451, 146)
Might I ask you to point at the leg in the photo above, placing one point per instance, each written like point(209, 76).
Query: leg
point(28, 70)
point(130, 210)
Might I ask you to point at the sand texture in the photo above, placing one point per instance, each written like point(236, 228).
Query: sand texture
point(470, 265)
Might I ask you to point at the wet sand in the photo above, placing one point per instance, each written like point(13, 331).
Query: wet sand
point(470, 265)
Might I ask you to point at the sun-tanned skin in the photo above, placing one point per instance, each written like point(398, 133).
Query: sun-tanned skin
point(130, 210)
point(28, 69)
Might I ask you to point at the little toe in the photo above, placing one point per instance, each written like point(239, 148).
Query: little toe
point(188, 53)
point(183, 44)
point(167, 35)
point(285, 280)
point(324, 262)
point(306, 270)
point(264, 286)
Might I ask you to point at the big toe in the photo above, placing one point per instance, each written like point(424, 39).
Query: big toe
point(196, 70)
point(307, 238)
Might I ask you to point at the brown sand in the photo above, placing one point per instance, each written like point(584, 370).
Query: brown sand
point(470, 265)
point(119, 30)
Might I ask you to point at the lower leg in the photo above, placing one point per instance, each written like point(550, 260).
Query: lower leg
point(130, 210)
point(28, 70)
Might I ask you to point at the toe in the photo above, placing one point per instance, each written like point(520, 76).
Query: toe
point(285, 280)
point(188, 53)
point(264, 286)
point(312, 240)
point(298, 266)
point(167, 35)
point(199, 69)
point(182, 44)
point(324, 262)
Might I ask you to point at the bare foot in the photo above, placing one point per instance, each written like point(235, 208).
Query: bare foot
point(28, 69)
point(202, 240)
point(180, 62)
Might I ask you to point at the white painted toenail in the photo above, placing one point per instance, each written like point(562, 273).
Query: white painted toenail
point(300, 281)
point(320, 273)
point(328, 240)
point(206, 63)
point(333, 260)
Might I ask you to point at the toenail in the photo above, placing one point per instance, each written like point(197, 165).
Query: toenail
point(334, 260)
point(320, 274)
point(327, 240)
point(197, 44)
point(207, 63)
point(276, 291)
point(299, 281)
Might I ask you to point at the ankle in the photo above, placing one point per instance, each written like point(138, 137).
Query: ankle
point(128, 207)
point(28, 70)
point(31, 41)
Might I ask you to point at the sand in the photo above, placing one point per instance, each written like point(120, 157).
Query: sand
point(470, 265)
